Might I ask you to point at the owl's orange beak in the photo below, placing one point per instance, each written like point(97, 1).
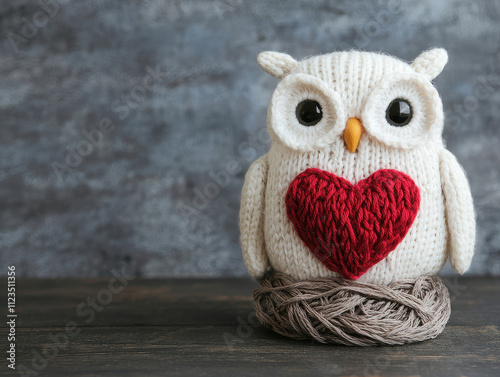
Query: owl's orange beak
point(352, 133)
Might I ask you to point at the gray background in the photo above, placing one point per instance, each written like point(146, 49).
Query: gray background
point(134, 198)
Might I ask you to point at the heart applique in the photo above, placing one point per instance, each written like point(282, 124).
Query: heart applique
point(350, 228)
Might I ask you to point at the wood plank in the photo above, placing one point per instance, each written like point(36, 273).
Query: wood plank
point(206, 350)
point(207, 327)
point(164, 302)
point(52, 302)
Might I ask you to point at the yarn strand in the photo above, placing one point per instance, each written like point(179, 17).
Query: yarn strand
point(333, 310)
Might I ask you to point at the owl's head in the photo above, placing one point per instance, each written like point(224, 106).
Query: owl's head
point(338, 99)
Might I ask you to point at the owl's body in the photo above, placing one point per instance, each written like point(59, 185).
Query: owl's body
point(277, 232)
point(421, 252)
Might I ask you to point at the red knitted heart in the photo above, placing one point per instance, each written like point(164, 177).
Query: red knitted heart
point(350, 228)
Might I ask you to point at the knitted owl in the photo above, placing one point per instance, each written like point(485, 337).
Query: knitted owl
point(357, 183)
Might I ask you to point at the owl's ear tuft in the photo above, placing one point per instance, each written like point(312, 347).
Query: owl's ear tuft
point(430, 63)
point(275, 63)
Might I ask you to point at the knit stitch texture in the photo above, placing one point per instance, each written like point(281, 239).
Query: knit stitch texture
point(348, 217)
point(350, 228)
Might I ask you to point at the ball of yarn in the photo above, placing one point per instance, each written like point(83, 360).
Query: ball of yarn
point(334, 310)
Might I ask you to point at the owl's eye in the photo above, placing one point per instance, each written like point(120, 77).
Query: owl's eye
point(309, 112)
point(399, 112)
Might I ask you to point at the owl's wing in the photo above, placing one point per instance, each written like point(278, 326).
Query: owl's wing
point(252, 218)
point(459, 211)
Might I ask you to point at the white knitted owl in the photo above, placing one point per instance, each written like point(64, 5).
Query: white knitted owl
point(357, 182)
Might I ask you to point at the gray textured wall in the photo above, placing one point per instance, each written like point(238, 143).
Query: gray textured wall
point(133, 198)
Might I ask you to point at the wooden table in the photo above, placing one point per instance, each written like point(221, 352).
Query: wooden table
point(206, 327)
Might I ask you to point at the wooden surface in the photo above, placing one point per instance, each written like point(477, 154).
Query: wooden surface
point(207, 328)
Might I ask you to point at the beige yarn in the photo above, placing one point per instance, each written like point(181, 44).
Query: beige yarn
point(332, 310)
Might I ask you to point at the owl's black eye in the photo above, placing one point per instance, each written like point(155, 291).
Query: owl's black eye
point(309, 112)
point(399, 112)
